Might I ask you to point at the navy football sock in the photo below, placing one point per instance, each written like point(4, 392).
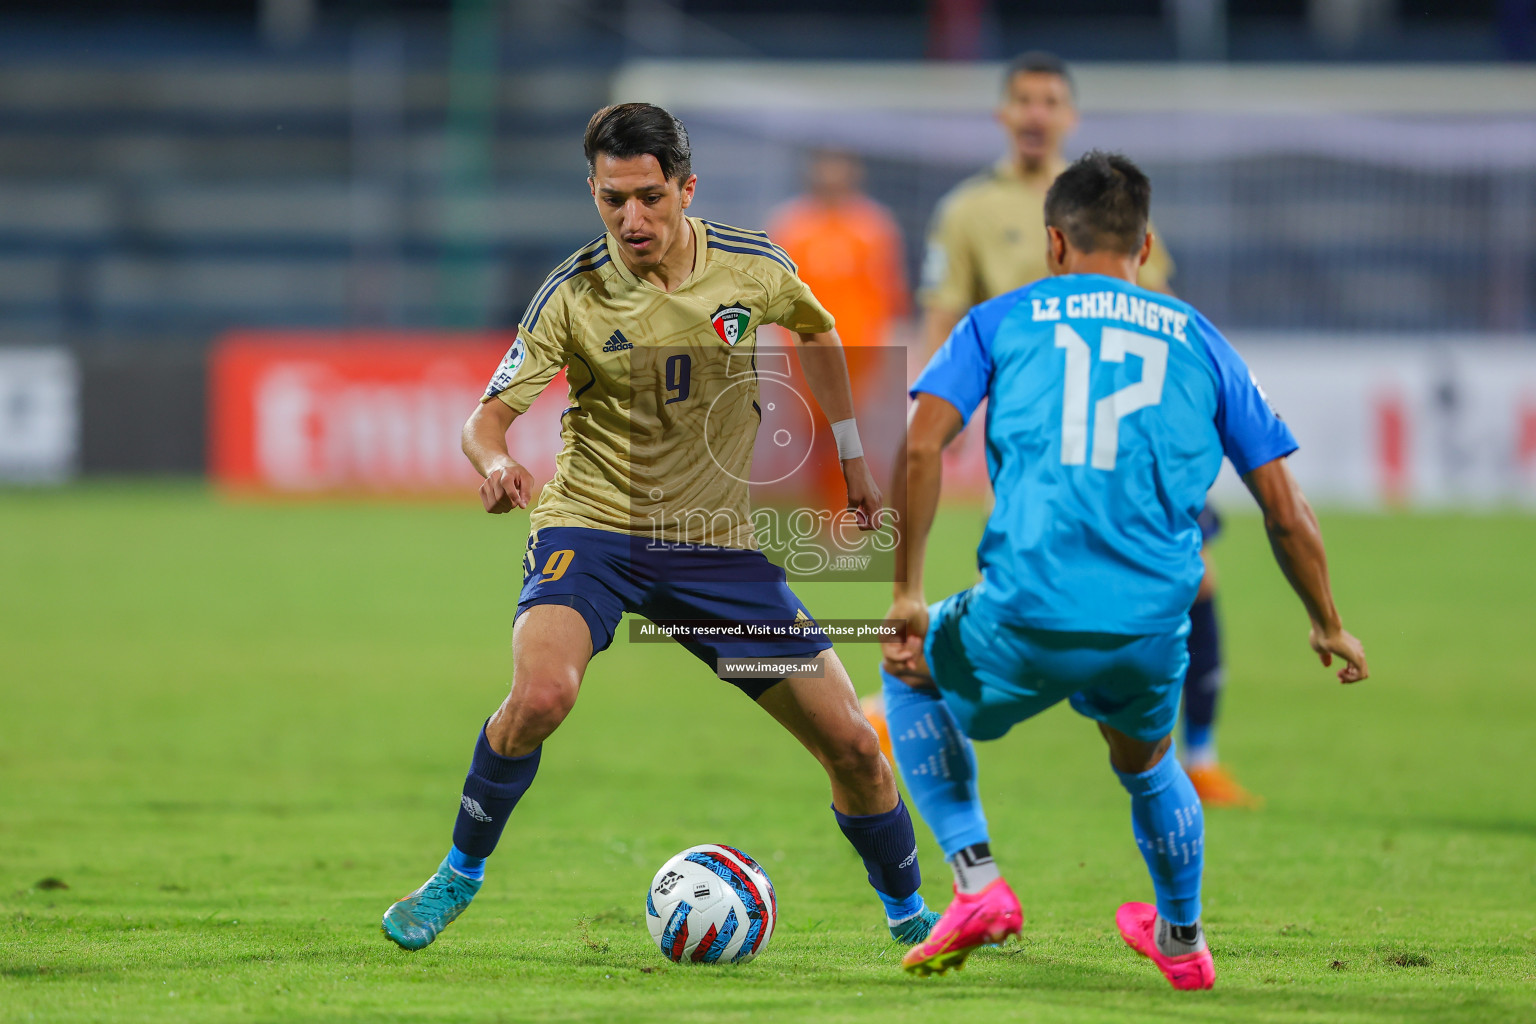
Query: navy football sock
point(888, 847)
point(1170, 830)
point(1202, 684)
point(493, 787)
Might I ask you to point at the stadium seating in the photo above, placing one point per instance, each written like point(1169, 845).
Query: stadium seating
point(154, 200)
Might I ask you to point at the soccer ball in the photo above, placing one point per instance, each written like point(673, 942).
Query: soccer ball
point(711, 904)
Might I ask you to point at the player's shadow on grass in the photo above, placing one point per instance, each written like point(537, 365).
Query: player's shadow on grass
point(1490, 826)
point(39, 972)
point(1040, 976)
point(1394, 823)
point(1248, 990)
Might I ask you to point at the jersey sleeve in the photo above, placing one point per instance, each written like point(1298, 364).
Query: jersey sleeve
point(960, 372)
point(794, 307)
point(949, 266)
point(533, 360)
point(1251, 433)
point(1158, 271)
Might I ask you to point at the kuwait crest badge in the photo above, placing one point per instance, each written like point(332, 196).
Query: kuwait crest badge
point(730, 322)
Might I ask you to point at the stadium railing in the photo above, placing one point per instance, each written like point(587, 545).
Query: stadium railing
point(1301, 197)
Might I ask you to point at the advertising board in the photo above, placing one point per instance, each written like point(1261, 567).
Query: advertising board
point(39, 414)
point(327, 412)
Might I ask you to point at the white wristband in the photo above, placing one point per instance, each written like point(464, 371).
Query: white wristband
point(846, 433)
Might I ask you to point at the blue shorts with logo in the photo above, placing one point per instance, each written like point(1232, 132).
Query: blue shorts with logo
point(995, 675)
point(603, 574)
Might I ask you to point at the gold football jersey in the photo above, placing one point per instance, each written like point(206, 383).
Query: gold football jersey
point(663, 385)
point(988, 238)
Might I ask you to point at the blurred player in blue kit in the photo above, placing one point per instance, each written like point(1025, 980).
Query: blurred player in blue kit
point(1110, 410)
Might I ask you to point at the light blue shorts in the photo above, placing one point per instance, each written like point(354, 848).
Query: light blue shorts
point(995, 675)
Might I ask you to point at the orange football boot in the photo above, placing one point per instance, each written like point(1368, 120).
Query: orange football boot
point(873, 707)
point(1217, 787)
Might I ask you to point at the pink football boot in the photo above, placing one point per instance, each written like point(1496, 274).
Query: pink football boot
point(985, 918)
point(1187, 971)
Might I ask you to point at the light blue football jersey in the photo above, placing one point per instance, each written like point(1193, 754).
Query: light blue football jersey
point(1109, 409)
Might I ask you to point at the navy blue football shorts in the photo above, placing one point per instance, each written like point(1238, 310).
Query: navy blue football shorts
point(603, 574)
point(1210, 523)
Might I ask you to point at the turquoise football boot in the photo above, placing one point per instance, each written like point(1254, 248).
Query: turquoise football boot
point(420, 917)
point(915, 928)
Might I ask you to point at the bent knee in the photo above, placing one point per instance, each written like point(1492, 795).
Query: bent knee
point(542, 698)
point(1132, 756)
point(538, 703)
point(857, 756)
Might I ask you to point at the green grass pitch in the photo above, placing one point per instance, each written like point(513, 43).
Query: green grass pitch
point(236, 732)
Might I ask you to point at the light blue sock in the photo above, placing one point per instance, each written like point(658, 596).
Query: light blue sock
point(1170, 829)
point(462, 863)
point(937, 763)
point(897, 911)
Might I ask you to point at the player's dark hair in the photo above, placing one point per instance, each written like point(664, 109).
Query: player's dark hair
point(1102, 201)
point(628, 130)
point(1039, 62)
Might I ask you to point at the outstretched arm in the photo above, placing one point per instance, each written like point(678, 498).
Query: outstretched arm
point(507, 484)
point(1298, 546)
point(826, 371)
point(932, 424)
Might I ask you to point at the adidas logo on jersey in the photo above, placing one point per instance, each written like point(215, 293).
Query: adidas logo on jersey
point(617, 343)
point(474, 810)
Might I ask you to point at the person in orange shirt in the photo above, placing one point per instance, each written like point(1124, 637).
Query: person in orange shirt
point(849, 251)
point(848, 247)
